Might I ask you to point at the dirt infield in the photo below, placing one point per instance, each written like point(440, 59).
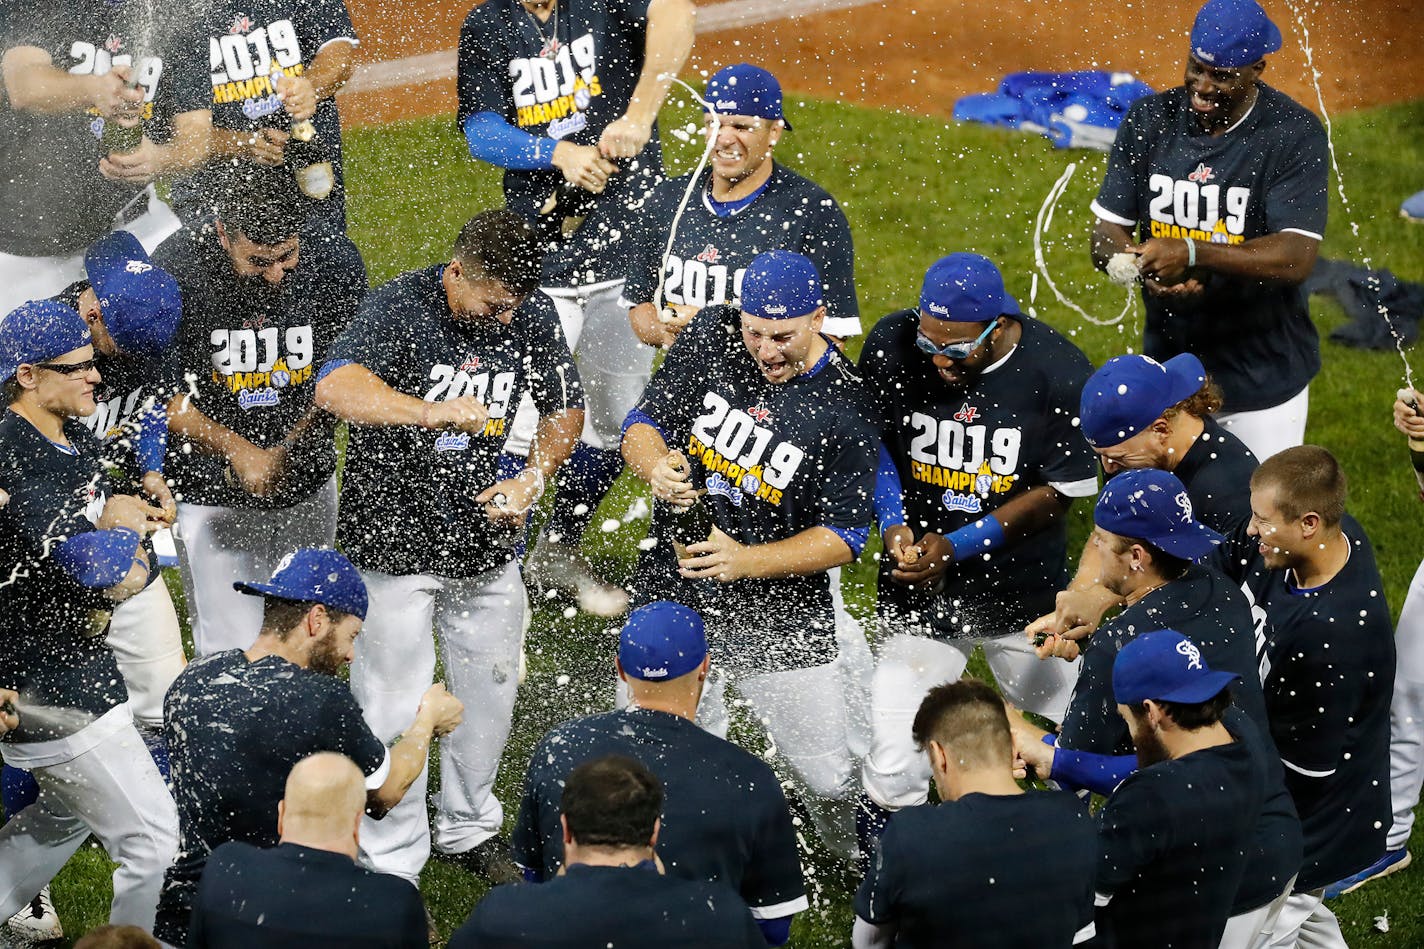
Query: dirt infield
point(921, 56)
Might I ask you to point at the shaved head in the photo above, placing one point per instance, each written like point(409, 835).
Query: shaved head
point(325, 795)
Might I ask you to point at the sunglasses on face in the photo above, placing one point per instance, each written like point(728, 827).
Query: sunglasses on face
point(953, 350)
point(67, 368)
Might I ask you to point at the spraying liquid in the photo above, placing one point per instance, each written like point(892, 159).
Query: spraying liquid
point(687, 194)
point(1040, 227)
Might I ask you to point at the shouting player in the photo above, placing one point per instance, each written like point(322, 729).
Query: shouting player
point(564, 94)
point(980, 459)
point(758, 424)
point(1224, 181)
point(429, 374)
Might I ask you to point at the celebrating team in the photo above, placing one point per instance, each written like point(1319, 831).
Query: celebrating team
point(186, 367)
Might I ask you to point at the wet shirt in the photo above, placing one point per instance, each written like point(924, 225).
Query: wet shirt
point(1174, 842)
point(623, 907)
point(408, 494)
point(775, 460)
point(54, 201)
point(249, 354)
point(234, 730)
point(245, 43)
point(566, 79)
point(1216, 471)
point(962, 453)
point(710, 252)
point(1267, 175)
point(1327, 666)
point(725, 819)
point(52, 648)
point(957, 873)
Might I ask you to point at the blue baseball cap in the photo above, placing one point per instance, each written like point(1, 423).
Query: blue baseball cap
point(1131, 392)
point(781, 285)
point(745, 89)
point(966, 288)
point(140, 302)
point(1165, 666)
point(1152, 505)
point(1232, 33)
point(37, 332)
point(662, 641)
point(315, 575)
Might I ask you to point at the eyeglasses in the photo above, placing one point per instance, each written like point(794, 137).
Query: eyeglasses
point(67, 368)
point(954, 350)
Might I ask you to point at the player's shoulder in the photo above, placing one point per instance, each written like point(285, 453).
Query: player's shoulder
point(1055, 359)
point(793, 186)
point(891, 334)
point(1280, 110)
point(1156, 110)
point(186, 252)
point(332, 255)
point(488, 16)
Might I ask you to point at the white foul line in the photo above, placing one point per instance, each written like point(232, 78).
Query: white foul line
point(727, 15)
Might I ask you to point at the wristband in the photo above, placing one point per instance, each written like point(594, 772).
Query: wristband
point(974, 540)
point(538, 486)
point(1191, 252)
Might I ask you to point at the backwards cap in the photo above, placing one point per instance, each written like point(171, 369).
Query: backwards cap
point(661, 641)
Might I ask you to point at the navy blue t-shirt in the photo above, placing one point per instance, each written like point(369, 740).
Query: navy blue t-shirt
point(1175, 838)
point(249, 357)
point(234, 730)
point(724, 819)
point(611, 908)
point(711, 251)
point(54, 201)
point(964, 452)
point(244, 42)
point(1327, 666)
point(571, 94)
point(986, 870)
point(408, 494)
point(1216, 471)
point(51, 627)
point(776, 459)
point(1266, 175)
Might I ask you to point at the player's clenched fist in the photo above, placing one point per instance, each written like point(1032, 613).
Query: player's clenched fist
point(465, 414)
point(115, 99)
point(1407, 417)
point(671, 480)
point(298, 97)
point(441, 709)
point(583, 166)
point(624, 137)
point(917, 562)
point(128, 511)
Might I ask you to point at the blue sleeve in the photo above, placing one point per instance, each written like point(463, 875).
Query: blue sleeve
point(776, 931)
point(492, 139)
point(637, 416)
point(152, 439)
point(855, 537)
point(1083, 770)
point(889, 495)
point(98, 559)
point(331, 366)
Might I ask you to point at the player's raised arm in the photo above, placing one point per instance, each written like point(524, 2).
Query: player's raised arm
point(665, 52)
point(34, 84)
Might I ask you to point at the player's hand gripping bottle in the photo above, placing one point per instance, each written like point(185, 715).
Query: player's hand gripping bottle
point(686, 525)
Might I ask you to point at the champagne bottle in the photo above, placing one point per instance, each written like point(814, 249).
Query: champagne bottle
point(686, 525)
point(309, 163)
point(1416, 445)
point(116, 139)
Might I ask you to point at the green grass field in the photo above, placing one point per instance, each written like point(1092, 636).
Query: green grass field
point(914, 189)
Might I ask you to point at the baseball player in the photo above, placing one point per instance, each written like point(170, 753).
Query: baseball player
point(69, 69)
point(758, 414)
point(252, 458)
point(1138, 413)
point(743, 204)
point(724, 819)
point(563, 94)
point(429, 374)
point(275, 64)
point(238, 720)
point(980, 461)
point(1326, 650)
point(1224, 180)
point(71, 549)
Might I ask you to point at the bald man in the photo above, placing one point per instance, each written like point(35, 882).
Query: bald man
point(307, 891)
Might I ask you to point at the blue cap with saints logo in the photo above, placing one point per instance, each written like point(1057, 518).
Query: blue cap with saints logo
point(140, 302)
point(315, 575)
point(1165, 666)
point(1152, 505)
point(38, 331)
point(1131, 392)
point(966, 288)
point(1229, 34)
point(745, 89)
point(781, 285)
point(661, 641)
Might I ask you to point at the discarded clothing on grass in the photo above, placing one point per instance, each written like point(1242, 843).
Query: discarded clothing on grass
point(1374, 300)
point(1081, 109)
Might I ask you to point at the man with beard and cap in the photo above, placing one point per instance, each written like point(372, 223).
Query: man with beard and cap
point(252, 457)
point(238, 721)
point(1224, 181)
point(980, 460)
point(1176, 835)
point(756, 441)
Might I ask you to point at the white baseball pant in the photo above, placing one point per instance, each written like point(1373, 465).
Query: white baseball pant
point(1253, 930)
point(1406, 715)
point(1307, 923)
point(103, 782)
point(896, 773)
point(148, 645)
point(480, 622)
point(1270, 430)
point(218, 545)
point(857, 665)
point(614, 365)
